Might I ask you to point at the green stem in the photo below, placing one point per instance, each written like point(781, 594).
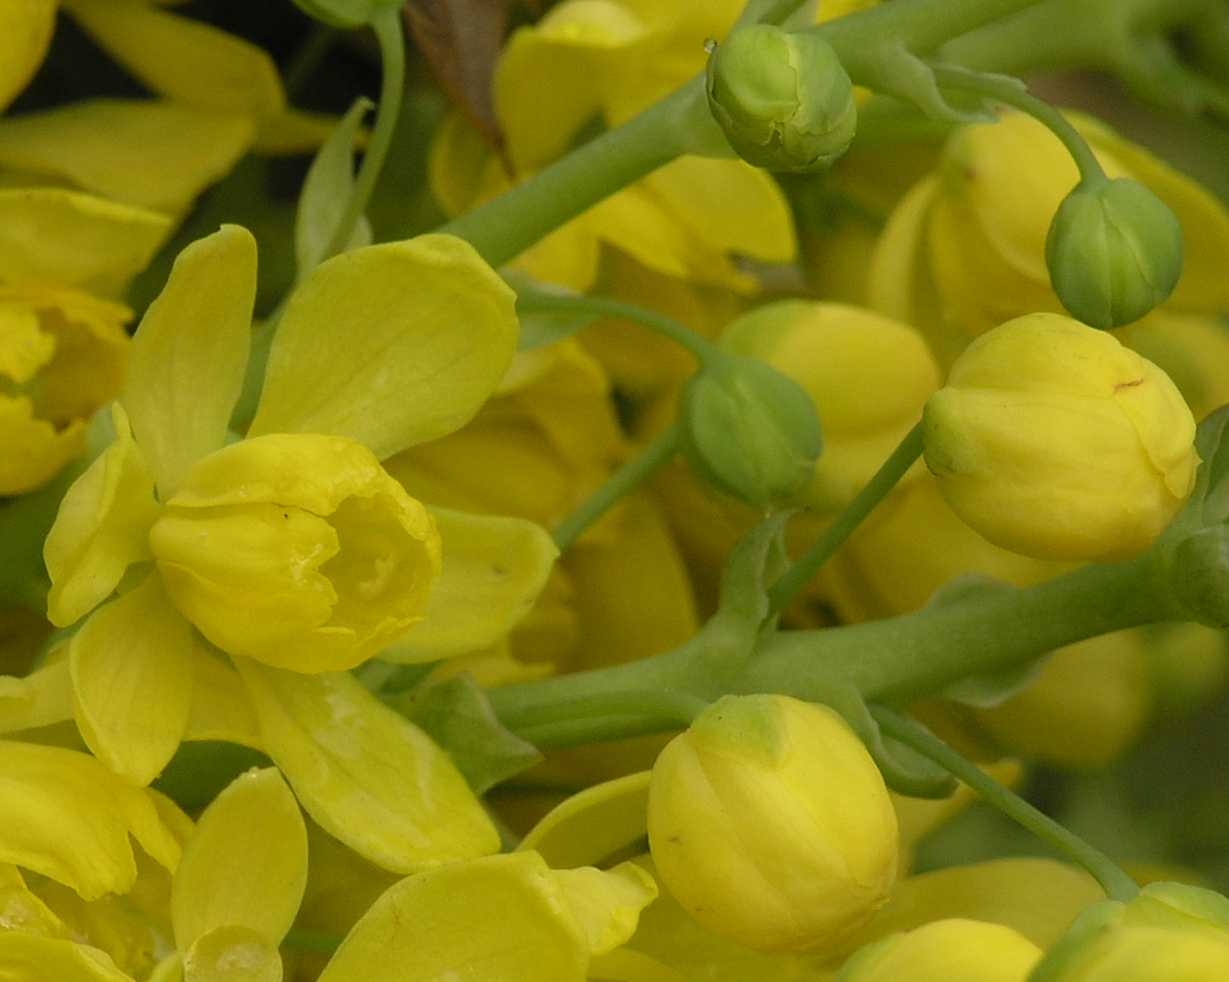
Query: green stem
point(621, 482)
point(604, 716)
point(885, 479)
point(387, 27)
point(504, 227)
point(1117, 884)
point(308, 58)
point(1013, 93)
point(896, 659)
point(547, 302)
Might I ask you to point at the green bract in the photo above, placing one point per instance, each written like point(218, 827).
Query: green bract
point(1114, 252)
point(783, 100)
point(750, 430)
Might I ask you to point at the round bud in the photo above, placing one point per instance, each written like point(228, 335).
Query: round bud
point(749, 430)
point(783, 100)
point(950, 950)
point(770, 824)
point(1053, 440)
point(1114, 252)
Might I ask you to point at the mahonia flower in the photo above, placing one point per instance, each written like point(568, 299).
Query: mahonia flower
point(297, 524)
point(1053, 440)
point(965, 248)
point(769, 822)
point(63, 348)
point(608, 61)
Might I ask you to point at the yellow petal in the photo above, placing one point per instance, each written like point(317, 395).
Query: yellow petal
point(148, 153)
point(729, 205)
point(132, 681)
point(42, 698)
point(499, 919)
point(190, 353)
point(183, 59)
point(111, 924)
point(1037, 897)
point(895, 278)
point(294, 131)
point(232, 953)
point(457, 164)
point(607, 905)
point(74, 239)
point(33, 451)
point(413, 361)
point(24, 349)
point(552, 77)
point(30, 956)
point(26, 27)
point(494, 568)
point(593, 825)
point(245, 865)
point(220, 706)
point(101, 529)
point(366, 775)
point(626, 965)
point(633, 592)
point(65, 815)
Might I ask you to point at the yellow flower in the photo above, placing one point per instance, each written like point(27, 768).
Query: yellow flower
point(1053, 440)
point(965, 249)
point(769, 822)
point(868, 377)
point(63, 348)
point(606, 61)
point(1192, 349)
point(952, 950)
point(25, 33)
point(1170, 932)
point(338, 555)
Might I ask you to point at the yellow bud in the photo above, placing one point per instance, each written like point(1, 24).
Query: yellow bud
point(771, 825)
point(867, 375)
point(297, 550)
point(952, 950)
point(1053, 440)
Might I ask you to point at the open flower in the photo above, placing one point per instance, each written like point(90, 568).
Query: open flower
point(292, 547)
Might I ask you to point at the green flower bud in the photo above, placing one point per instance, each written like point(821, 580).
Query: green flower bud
point(749, 430)
point(1114, 251)
point(783, 100)
point(770, 824)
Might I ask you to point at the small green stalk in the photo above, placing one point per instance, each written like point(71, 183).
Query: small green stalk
point(880, 485)
point(1013, 93)
point(1117, 884)
point(623, 481)
point(387, 27)
point(550, 302)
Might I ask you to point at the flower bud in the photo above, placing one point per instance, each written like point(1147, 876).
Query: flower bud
point(749, 430)
point(1053, 440)
point(297, 550)
point(770, 824)
point(783, 100)
point(1199, 574)
point(950, 950)
point(867, 375)
point(1170, 932)
point(1114, 252)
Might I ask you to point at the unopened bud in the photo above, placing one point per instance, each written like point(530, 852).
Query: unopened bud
point(1114, 251)
point(783, 100)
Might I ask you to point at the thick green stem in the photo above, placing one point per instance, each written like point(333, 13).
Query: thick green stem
point(623, 481)
point(803, 571)
point(901, 658)
point(1117, 884)
point(506, 226)
point(892, 660)
point(387, 27)
point(1008, 91)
